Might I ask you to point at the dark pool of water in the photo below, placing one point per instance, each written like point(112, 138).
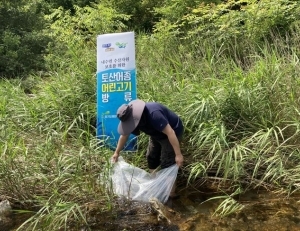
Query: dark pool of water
point(193, 211)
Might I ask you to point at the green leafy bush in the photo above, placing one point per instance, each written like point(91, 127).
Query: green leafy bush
point(76, 33)
point(22, 41)
point(229, 20)
point(243, 18)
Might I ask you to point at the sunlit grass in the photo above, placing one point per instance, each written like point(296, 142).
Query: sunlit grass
point(240, 112)
point(241, 125)
point(50, 158)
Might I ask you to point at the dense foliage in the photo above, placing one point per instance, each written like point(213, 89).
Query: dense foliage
point(22, 38)
point(229, 68)
point(28, 26)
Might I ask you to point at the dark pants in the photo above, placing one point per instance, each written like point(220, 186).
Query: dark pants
point(160, 152)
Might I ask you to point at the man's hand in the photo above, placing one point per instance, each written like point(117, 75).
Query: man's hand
point(179, 160)
point(115, 157)
point(121, 142)
point(175, 144)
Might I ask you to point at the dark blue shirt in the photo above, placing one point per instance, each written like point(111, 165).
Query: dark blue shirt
point(155, 118)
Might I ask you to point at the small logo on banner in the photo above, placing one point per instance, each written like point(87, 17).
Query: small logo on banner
point(121, 45)
point(108, 47)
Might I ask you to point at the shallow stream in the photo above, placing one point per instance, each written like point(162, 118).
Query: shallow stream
point(262, 211)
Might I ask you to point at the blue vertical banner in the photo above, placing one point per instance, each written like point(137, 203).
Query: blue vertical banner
point(116, 84)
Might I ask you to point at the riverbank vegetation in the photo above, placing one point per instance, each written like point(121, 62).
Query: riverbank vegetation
point(230, 69)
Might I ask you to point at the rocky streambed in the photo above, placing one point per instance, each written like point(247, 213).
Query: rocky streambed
point(261, 211)
point(193, 211)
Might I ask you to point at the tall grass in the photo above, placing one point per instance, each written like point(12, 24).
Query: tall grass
point(241, 125)
point(241, 117)
point(50, 159)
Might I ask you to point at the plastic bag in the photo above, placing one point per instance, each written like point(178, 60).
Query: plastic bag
point(137, 184)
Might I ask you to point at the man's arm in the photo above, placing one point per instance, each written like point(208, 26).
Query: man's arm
point(175, 144)
point(121, 142)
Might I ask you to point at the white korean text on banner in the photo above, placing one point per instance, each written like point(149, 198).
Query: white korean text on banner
point(116, 84)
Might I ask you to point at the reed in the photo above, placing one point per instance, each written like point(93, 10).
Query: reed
point(241, 116)
point(240, 112)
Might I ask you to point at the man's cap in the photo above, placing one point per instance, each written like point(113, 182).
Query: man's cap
point(130, 116)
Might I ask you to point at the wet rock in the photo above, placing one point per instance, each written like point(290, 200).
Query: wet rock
point(163, 212)
point(5, 208)
point(5, 216)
